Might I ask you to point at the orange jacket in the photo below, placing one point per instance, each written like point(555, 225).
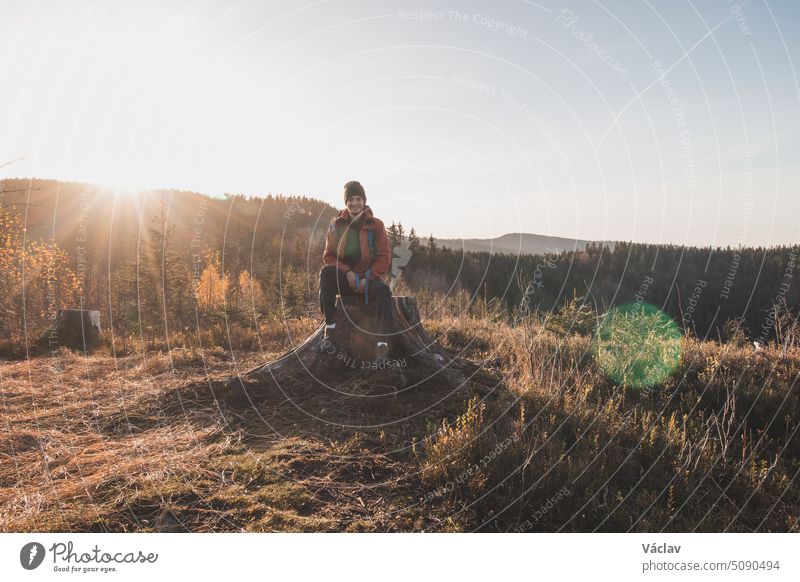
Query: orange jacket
point(375, 256)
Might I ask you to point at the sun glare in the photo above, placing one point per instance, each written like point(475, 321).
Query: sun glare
point(126, 189)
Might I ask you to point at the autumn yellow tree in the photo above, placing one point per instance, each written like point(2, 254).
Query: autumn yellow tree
point(212, 288)
point(35, 281)
point(250, 296)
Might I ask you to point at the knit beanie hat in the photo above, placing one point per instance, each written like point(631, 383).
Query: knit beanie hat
point(354, 188)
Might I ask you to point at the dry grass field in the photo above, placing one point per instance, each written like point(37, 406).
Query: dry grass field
point(538, 439)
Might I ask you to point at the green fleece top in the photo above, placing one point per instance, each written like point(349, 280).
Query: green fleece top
point(352, 244)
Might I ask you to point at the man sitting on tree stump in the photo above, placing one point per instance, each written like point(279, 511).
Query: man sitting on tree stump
point(356, 256)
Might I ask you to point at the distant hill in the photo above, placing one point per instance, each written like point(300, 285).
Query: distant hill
point(520, 243)
point(81, 214)
point(61, 208)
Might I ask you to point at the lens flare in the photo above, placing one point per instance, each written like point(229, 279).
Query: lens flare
point(638, 345)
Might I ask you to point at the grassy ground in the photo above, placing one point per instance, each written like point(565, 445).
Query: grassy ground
point(539, 440)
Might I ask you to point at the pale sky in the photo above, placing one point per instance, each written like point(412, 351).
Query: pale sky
point(653, 121)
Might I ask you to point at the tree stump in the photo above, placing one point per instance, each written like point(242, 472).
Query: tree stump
point(411, 349)
point(77, 329)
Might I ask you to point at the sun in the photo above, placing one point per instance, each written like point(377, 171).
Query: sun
point(124, 188)
point(132, 184)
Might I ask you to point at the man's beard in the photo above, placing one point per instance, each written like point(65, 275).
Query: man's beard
point(355, 216)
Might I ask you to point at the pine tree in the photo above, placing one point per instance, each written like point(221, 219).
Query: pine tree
point(163, 281)
point(413, 241)
point(431, 246)
point(395, 236)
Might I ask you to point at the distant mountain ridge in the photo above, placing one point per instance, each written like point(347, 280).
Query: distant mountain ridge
point(521, 243)
point(59, 207)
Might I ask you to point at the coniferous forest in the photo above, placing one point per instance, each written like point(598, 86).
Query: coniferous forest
point(154, 264)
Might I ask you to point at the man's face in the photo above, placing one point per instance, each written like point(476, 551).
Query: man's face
point(355, 205)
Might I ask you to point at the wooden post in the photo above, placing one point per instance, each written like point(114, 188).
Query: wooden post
point(77, 329)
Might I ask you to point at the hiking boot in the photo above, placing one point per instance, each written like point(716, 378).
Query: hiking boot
point(328, 344)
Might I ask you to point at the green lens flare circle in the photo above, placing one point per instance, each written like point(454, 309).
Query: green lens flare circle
point(637, 345)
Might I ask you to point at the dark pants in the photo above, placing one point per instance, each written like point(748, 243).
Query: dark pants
point(333, 281)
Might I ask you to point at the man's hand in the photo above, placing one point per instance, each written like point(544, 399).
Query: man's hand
point(351, 280)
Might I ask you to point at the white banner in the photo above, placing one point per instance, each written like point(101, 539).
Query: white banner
point(401, 557)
